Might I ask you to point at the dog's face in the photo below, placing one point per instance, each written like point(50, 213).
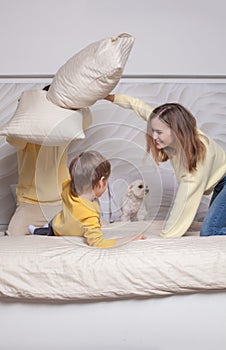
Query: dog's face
point(137, 189)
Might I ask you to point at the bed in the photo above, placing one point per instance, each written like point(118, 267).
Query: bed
point(58, 293)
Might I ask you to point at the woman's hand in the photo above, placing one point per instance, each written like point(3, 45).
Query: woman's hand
point(110, 98)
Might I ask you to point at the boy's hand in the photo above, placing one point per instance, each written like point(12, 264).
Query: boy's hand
point(140, 236)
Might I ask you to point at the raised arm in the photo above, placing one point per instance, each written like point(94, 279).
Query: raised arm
point(142, 109)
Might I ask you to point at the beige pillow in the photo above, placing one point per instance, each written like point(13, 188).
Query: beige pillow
point(92, 73)
point(38, 120)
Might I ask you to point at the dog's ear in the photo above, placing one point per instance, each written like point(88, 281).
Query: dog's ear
point(129, 190)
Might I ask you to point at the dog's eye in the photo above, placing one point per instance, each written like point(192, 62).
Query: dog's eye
point(140, 186)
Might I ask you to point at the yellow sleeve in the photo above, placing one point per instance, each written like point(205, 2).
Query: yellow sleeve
point(95, 238)
point(80, 217)
point(15, 142)
point(93, 233)
point(142, 109)
point(189, 194)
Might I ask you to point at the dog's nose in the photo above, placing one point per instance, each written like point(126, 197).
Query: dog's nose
point(146, 189)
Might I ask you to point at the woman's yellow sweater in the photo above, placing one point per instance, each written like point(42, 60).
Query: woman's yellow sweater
point(191, 186)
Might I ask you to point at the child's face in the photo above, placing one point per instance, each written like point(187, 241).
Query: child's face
point(100, 188)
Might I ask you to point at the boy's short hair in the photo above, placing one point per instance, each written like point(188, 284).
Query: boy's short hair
point(86, 170)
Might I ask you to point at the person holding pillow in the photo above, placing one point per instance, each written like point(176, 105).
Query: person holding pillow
point(41, 172)
point(199, 164)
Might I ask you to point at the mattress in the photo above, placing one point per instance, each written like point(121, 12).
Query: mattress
point(66, 268)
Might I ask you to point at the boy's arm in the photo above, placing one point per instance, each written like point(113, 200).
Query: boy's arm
point(95, 237)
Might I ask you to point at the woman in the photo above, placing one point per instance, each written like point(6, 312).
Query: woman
point(199, 164)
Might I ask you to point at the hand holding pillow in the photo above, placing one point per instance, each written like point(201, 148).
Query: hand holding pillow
point(91, 74)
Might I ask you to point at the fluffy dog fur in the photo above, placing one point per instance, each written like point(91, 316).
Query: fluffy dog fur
point(133, 208)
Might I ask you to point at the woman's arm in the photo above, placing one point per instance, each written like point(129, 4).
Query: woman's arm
point(142, 109)
point(184, 209)
point(189, 194)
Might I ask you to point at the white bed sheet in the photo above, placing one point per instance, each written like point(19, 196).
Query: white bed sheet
point(65, 268)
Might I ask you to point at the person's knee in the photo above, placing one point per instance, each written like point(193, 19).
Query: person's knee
point(16, 227)
point(213, 231)
point(207, 229)
point(204, 233)
point(16, 231)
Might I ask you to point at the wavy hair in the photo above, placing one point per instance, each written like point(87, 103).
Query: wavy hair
point(86, 170)
point(189, 148)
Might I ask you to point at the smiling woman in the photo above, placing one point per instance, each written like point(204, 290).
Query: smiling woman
point(198, 161)
point(161, 134)
point(171, 129)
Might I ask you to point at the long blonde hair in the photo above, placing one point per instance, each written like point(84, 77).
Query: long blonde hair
point(183, 125)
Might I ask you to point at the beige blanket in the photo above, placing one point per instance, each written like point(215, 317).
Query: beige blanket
point(65, 268)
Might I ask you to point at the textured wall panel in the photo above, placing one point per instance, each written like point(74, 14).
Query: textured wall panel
point(120, 135)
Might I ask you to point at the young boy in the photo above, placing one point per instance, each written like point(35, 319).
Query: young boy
point(80, 215)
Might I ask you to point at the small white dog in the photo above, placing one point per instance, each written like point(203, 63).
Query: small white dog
point(133, 208)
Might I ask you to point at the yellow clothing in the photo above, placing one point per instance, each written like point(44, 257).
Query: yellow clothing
point(142, 109)
point(191, 185)
point(27, 213)
point(80, 217)
point(41, 172)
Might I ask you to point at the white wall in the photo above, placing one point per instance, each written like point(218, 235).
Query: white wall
point(177, 37)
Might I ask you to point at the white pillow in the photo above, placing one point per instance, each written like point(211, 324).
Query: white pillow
point(91, 74)
point(38, 120)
